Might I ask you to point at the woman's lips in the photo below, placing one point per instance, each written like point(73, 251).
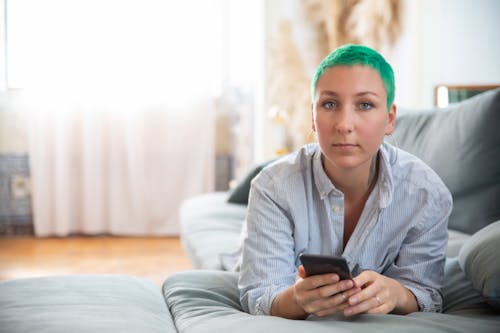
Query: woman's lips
point(344, 146)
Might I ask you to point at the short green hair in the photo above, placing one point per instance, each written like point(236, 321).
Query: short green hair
point(351, 55)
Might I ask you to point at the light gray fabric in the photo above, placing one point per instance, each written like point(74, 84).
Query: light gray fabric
point(207, 301)
point(462, 144)
point(480, 260)
point(83, 303)
point(210, 226)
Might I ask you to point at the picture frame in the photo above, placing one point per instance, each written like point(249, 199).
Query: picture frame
point(445, 94)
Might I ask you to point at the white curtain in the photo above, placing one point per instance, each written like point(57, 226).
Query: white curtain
point(125, 172)
point(122, 124)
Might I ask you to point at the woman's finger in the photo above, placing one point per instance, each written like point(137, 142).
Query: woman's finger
point(364, 307)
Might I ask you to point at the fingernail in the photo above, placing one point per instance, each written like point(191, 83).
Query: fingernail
point(353, 300)
point(347, 312)
point(346, 285)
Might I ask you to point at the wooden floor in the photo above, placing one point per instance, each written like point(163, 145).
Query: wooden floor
point(152, 258)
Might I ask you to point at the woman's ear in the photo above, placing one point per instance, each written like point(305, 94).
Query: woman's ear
point(313, 126)
point(392, 120)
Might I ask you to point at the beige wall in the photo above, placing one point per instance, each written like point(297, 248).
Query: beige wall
point(446, 42)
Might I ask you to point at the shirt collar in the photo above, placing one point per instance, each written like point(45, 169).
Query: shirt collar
point(385, 180)
point(323, 183)
point(388, 155)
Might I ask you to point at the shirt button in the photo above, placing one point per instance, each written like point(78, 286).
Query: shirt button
point(322, 193)
point(336, 209)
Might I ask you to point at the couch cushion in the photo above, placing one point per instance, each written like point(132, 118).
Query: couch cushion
point(462, 144)
point(479, 259)
point(208, 301)
point(83, 303)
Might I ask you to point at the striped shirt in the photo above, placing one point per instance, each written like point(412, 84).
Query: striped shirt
point(294, 208)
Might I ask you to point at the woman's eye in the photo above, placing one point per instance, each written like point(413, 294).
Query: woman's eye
point(365, 106)
point(329, 105)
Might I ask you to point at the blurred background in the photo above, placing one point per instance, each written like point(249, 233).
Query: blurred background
point(114, 112)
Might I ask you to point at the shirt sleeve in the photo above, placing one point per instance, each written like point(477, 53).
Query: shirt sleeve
point(268, 261)
point(420, 262)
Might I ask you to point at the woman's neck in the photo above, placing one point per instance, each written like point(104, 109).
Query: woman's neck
point(357, 182)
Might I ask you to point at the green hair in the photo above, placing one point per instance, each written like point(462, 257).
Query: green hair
point(350, 55)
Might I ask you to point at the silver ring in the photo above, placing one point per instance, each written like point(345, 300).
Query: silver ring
point(378, 300)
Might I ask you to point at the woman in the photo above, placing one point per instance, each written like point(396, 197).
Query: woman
point(352, 195)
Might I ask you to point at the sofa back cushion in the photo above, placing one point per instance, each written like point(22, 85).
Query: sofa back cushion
point(462, 144)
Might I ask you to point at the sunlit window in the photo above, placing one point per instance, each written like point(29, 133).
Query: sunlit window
point(149, 48)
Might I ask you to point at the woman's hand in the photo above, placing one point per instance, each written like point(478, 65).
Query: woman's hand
point(379, 294)
point(321, 295)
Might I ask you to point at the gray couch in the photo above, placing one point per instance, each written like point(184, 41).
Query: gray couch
point(461, 143)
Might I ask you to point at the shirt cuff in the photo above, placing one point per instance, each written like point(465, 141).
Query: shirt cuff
point(427, 300)
point(264, 303)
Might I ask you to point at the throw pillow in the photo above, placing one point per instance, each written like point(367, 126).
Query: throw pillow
point(479, 260)
point(458, 292)
point(239, 195)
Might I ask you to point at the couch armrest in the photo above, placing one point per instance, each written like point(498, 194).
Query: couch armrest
point(210, 226)
point(83, 303)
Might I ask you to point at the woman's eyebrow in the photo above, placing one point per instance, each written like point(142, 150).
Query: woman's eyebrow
point(362, 93)
point(329, 93)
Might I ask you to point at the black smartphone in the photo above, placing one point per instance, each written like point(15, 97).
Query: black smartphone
point(315, 264)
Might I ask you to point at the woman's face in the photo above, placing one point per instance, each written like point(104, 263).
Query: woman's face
point(350, 116)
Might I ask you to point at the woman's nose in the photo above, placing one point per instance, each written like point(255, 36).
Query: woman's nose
point(345, 122)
